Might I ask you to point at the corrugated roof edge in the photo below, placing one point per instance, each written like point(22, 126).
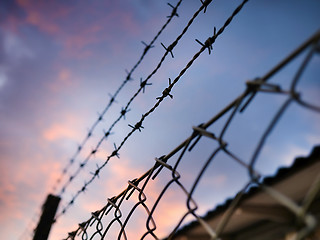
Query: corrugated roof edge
point(282, 173)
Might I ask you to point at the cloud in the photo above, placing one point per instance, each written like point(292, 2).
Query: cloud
point(75, 31)
point(23, 183)
point(64, 80)
point(15, 49)
point(62, 130)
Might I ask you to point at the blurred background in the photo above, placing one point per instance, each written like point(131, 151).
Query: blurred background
point(62, 61)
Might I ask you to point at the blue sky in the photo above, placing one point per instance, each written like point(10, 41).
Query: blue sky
point(60, 61)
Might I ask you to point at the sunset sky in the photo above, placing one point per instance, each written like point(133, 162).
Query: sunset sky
point(61, 61)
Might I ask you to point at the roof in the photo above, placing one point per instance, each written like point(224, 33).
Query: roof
point(260, 207)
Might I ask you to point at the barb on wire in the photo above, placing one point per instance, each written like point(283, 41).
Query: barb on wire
point(143, 84)
point(174, 11)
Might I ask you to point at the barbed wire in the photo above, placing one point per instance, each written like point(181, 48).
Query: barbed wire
point(166, 92)
point(95, 226)
point(124, 110)
point(111, 101)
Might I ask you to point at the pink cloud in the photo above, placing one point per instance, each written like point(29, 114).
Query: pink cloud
point(44, 15)
point(70, 26)
point(24, 184)
point(65, 129)
point(64, 79)
point(58, 131)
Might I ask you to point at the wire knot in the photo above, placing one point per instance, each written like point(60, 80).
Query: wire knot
point(128, 78)
point(100, 117)
point(93, 151)
point(170, 48)
point(208, 43)
point(166, 92)
point(143, 84)
point(123, 112)
point(258, 85)
point(96, 173)
point(72, 234)
point(83, 225)
point(95, 215)
point(83, 189)
point(115, 152)
point(147, 47)
point(137, 126)
point(106, 134)
point(112, 99)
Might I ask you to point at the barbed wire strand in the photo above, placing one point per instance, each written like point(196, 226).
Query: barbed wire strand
point(126, 109)
point(113, 97)
point(299, 211)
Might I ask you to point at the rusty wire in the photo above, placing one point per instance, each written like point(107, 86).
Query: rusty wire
point(260, 85)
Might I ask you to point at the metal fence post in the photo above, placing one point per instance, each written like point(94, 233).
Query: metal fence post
point(47, 218)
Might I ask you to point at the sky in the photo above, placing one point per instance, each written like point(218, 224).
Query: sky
point(62, 61)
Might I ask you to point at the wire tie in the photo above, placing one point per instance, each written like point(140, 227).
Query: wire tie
point(72, 234)
point(204, 132)
point(112, 202)
point(96, 215)
point(164, 164)
point(257, 85)
point(132, 184)
point(82, 225)
point(194, 134)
